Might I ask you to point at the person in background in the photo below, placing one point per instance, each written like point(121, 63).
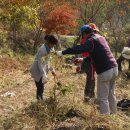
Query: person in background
point(121, 59)
point(41, 66)
point(105, 65)
point(87, 66)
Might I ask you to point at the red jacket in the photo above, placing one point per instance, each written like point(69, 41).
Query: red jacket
point(85, 54)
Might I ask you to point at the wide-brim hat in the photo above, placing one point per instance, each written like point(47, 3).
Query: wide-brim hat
point(126, 56)
point(126, 53)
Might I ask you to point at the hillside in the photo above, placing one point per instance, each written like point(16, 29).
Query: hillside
point(63, 107)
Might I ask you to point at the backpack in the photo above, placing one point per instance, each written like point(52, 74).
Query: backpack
point(124, 104)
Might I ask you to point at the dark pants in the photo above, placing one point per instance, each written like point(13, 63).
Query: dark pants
point(119, 61)
point(40, 89)
point(88, 68)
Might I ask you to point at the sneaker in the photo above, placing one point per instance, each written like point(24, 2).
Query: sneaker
point(96, 101)
point(86, 99)
point(40, 97)
point(92, 101)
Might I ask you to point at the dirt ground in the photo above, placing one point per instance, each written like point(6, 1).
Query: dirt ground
point(19, 109)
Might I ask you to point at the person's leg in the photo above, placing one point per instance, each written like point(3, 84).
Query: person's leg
point(84, 68)
point(112, 96)
point(92, 81)
point(88, 68)
point(103, 84)
point(40, 89)
point(102, 96)
point(119, 61)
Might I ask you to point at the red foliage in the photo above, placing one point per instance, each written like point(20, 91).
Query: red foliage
point(62, 20)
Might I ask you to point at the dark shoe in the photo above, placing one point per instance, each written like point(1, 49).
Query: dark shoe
point(93, 101)
point(40, 97)
point(96, 101)
point(86, 99)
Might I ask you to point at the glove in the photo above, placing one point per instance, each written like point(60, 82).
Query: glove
point(44, 79)
point(53, 73)
point(59, 53)
point(78, 69)
point(78, 61)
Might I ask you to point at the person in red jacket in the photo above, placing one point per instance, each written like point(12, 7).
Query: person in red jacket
point(105, 66)
point(87, 66)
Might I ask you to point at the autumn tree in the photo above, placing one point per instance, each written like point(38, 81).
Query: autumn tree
point(117, 23)
point(91, 11)
point(54, 18)
point(40, 15)
point(62, 17)
point(62, 20)
point(109, 15)
point(13, 16)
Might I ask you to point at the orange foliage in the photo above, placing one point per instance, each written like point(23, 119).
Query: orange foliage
point(61, 20)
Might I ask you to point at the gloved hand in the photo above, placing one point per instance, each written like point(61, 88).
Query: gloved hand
point(59, 53)
point(44, 80)
point(78, 61)
point(53, 73)
point(78, 69)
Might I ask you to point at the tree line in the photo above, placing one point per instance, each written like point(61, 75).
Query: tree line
point(23, 22)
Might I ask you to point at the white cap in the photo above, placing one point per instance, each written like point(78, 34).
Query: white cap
point(126, 53)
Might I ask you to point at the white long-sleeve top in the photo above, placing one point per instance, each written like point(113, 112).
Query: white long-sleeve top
point(41, 65)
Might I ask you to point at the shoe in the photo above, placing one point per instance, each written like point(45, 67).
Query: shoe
point(40, 97)
point(86, 99)
point(94, 101)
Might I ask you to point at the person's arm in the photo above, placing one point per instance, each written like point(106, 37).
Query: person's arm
point(86, 47)
point(50, 68)
point(41, 53)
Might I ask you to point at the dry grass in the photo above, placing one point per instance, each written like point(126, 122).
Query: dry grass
point(62, 107)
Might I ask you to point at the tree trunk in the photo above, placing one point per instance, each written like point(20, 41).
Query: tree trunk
point(38, 35)
point(14, 37)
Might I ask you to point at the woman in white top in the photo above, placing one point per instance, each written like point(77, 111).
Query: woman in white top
point(41, 66)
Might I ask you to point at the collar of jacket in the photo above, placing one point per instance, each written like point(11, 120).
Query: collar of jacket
point(90, 35)
point(47, 48)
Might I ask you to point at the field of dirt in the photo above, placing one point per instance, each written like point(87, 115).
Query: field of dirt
point(63, 107)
